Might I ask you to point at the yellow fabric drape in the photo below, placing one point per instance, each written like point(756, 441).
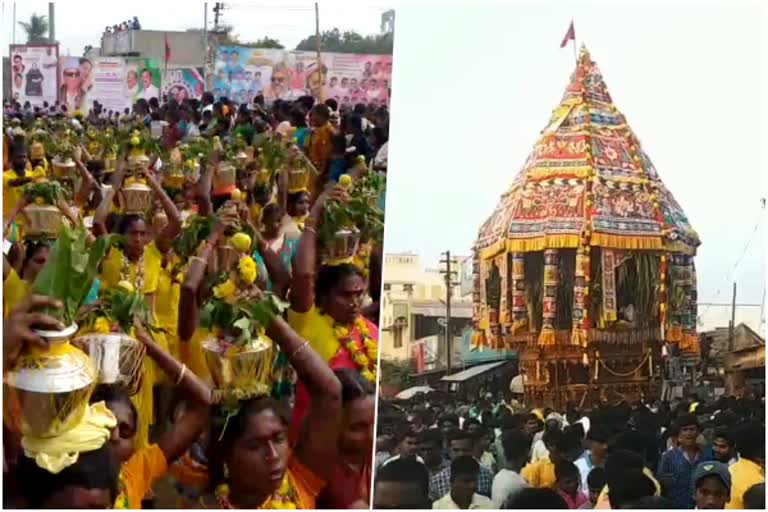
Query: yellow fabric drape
point(55, 454)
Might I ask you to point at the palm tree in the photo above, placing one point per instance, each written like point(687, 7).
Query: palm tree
point(36, 29)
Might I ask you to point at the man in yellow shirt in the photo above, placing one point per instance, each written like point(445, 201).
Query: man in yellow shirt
point(563, 446)
point(750, 468)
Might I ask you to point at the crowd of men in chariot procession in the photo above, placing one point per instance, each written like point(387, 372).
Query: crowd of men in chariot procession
point(278, 185)
point(446, 451)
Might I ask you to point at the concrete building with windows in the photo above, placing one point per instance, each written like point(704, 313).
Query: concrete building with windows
point(413, 309)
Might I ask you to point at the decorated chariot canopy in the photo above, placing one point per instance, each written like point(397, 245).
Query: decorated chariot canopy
point(589, 204)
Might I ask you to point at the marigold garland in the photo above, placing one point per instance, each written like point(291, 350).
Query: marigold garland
point(284, 498)
point(365, 358)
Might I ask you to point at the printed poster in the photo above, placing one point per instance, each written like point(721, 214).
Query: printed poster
point(76, 79)
point(242, 73)
point(183, 83)
point(352, 78)
point(34, 73)
point(108, 86)
point(142, 79)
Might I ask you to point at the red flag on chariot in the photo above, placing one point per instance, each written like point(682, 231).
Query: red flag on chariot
point(569, 36)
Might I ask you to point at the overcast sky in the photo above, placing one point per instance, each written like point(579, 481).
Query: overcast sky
point(79, 23)
point(470, 99)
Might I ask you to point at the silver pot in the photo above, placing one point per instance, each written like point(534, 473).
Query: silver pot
point(117, 357)
point(48, 394)
point(238, 370)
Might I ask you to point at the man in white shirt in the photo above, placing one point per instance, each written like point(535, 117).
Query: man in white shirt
point(595, 457)
point(149, 91)
point(464, 473)
point(508, 481)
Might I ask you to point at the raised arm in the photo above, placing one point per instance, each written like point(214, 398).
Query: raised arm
point(189, 310)
point(188, 428)
point(318, 441)
point(102, 211)
point(305, 261)
point(173, 228)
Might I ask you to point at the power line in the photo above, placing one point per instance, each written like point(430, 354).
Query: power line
point(739, 260)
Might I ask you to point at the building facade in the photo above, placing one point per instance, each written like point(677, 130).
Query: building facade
point(413, 311)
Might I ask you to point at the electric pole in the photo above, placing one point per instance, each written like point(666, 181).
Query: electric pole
point(448, 274)
point(51, 24)
point(218, 10)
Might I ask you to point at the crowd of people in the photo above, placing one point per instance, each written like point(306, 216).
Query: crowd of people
point(298, 434)
point(124, 26)
point(445, 451)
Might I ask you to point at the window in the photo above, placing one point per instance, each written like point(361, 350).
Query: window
point(408, 288)
point(387, 287)
point(398, 342)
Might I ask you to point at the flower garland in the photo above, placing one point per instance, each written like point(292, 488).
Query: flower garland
point(285, 497)
point(125, 271)
point(121, 503)
point(365, 358)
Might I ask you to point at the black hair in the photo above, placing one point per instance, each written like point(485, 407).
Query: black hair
point(359, 109)
point(431, 436)
point(295, 197)
point(332, 104)
point(653, 503)
point(449, 417)
point(750, 440)
point(111, 393)
point(405, 470)
point(354, 123)
point(272, 209)
point(353, 385)
point(126, 221)
point(535, 499)
point(566, 469)
point(298, 116)
point(224, 434)
point(687, 420)
point(598, 434)
point(460, 435)
point(307, 102)
point(322, 111)
point(329, 277)
point(464, 466)
point(754, 497)
point(551, 437)
point(596, 478)
point(516, 444)
point(627, 486)
point(621, 459)
point(30, 249)
point(96, 469)
point(725, 433)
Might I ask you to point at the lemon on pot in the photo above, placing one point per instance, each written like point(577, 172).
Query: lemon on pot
point(237, 195)
point(345, 180)
point(127, 286)
point(241, 242)
point(135, 141)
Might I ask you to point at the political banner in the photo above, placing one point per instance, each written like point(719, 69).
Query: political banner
point(109, 84)
point(34, 73)
point(76, 83)
point(142, 79)
point(183, 83)
point(352, 78)
point(241, 73)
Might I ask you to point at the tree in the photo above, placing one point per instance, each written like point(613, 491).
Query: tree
point(396, 372)
point(36, 29)
point(349, 41)
point(266, 42)
point(227, 38)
